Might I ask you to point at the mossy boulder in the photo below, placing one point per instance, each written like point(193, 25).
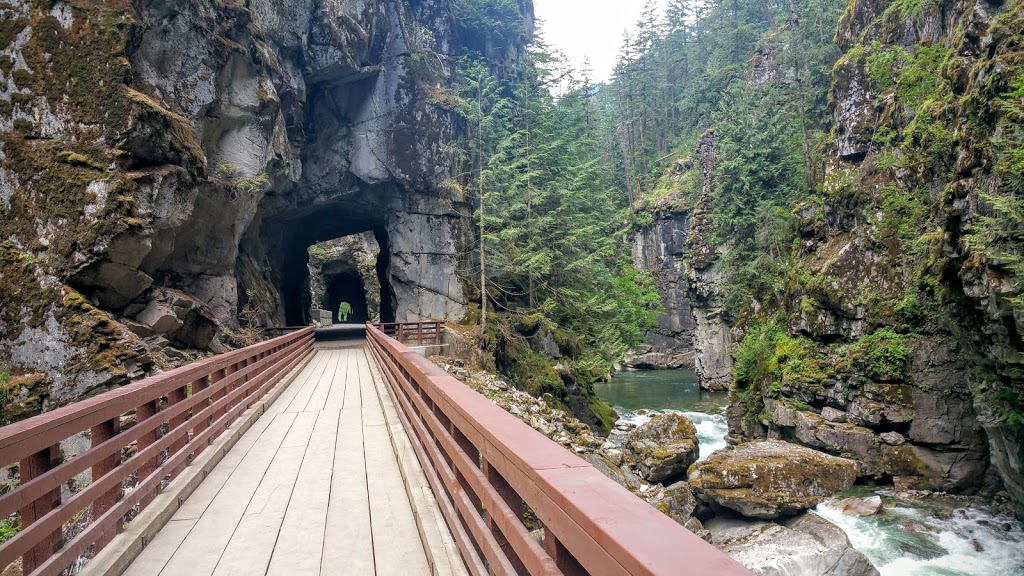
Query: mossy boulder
point(771, 479)
point(665, 447)
point(676, 501)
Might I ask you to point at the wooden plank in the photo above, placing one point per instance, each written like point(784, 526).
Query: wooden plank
point(159, 551)
point(305, 390)
point(437, 538)
point(300, 544)
point(398, 548)
point(353, 392)
point(318, 398)
point(250, 547)
point(202, 549)
point(336, 398)
point(252, 543)
point(310, 371)
point(348, 544)
point(254, 450)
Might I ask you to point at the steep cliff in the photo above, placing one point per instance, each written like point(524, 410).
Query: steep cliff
point(165, 165)
point(893, 334)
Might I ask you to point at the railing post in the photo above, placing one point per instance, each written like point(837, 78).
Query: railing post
point(419, 333)
point(401, 333)
point(514, 502)
point(564, 559)
point(174, 397)
point(100, 434)
point(202, 423)
point(32, 467)
point(215, 379)
point(143, 413)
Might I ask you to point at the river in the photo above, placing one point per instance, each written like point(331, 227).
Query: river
point(911, 537)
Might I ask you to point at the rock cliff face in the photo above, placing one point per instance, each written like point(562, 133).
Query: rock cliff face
point(164, 165)
point(660, 248)
point(897, 339)
point(677, 249)
point(917, 98)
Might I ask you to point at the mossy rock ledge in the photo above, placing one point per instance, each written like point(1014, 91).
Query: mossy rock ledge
point(665, 447)
point(770, 479)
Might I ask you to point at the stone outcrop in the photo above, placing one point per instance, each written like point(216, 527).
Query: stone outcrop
point(166, 165)
point(665, 447)
point(925, 435)
point(866, 506)
point(807, 544)
point(352, 262)
point(770, 479)
point(660, 248)
point(677, 247)
point(712, 337)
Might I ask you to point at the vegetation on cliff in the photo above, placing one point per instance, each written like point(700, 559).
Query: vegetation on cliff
point(548, 216)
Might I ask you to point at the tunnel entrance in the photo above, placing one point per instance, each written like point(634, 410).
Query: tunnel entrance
point(347, 288)
point(345, 279)
point(332, 252)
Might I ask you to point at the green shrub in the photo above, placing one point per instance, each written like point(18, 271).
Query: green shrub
point(883, 356)
point(9, 528)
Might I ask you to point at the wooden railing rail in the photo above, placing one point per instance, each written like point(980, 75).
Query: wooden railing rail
point(176, 415)
point(413, 333)
point(496, 479)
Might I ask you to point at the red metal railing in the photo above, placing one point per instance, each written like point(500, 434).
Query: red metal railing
point(490, 471)
point(414, 333)
point(177, 415)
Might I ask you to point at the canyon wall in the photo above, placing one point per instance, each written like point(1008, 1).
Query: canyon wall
point(896, 337)
point(165, 165)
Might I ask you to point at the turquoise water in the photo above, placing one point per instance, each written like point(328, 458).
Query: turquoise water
point(912, 538)
point(637, 396)
point(908, 539)
point(660, 390)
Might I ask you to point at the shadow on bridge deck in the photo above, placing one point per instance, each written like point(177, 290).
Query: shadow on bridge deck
point(341, 336)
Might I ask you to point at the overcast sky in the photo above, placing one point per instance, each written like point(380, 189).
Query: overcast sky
point(589, 29)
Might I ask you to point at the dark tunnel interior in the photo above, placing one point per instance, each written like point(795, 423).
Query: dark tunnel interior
point(298, 230)
point(347, 287)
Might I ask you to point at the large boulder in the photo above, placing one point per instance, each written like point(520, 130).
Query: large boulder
point(807, 545)
point(665, 447)
point(771, 479)
point(182, 319)
point(676, 501)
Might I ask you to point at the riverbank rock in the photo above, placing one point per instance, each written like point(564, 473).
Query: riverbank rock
point(665, 447)
point(862, 506)
point(676, 501)
point(807, 545)
point(771, 479)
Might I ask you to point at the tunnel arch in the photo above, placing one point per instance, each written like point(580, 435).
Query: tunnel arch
point(289, 234)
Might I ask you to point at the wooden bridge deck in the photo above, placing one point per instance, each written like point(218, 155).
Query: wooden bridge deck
point(325, 482)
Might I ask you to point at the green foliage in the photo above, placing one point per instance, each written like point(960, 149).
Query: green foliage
point(883, 356)
point(999, 233)
point(248, 185)
point(478, 20)
point(768, 358)
point(551, 210)
point(9, 528)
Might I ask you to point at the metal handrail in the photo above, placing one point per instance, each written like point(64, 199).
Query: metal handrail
point(177, 415)
point(490, 472)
